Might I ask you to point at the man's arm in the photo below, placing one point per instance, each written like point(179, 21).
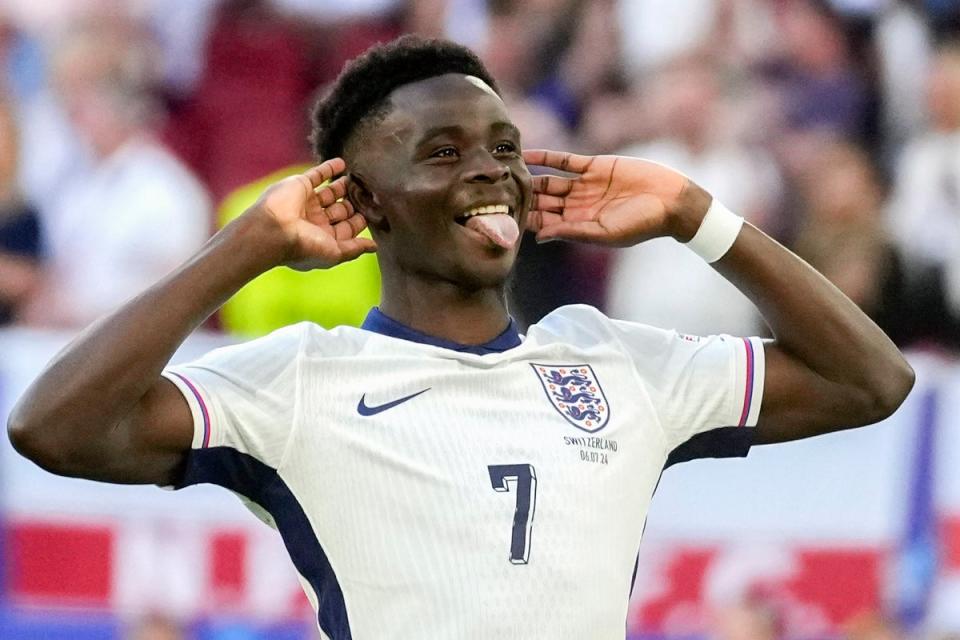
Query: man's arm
point(101, 410)
point(829, 368)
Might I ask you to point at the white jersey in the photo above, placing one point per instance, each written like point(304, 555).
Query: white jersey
point(427, 492)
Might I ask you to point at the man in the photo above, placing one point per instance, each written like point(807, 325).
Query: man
point(404, 462)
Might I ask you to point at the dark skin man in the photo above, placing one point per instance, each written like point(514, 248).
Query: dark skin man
point(101, 410)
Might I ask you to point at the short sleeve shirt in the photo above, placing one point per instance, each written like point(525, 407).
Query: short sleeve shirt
point(433, 492)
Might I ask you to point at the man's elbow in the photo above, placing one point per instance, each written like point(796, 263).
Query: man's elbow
point(891, 390)
point(29, 440)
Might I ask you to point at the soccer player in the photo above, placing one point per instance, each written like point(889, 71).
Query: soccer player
point(435, 474)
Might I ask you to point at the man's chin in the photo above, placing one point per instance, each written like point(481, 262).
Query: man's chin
point(492, 272)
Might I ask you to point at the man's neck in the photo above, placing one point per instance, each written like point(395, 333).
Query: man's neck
point(443, 310)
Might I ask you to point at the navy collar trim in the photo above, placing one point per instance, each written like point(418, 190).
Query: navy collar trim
point(377, 322)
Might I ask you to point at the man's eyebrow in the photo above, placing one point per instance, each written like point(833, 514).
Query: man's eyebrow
point(509, 126)
point(433, 132)
point(454, 129)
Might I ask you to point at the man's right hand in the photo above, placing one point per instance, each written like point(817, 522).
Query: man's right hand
point(318, 223)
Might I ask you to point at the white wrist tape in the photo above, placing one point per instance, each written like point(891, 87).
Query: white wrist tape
point(717, 232)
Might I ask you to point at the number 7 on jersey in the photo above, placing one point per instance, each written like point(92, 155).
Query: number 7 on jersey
point(525, 478)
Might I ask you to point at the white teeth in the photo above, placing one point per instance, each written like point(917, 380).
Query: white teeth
point(490, 208)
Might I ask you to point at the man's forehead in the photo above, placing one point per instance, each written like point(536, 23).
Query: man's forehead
point(449, 99)
point(477, 82)
point(448, 85)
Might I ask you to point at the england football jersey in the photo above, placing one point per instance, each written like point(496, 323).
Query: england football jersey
point(428, 490)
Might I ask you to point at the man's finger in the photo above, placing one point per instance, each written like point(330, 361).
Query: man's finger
point(534, 220)
point(584, 231)
point(552, 185)
point(350, 227)
point(545, 202)
point(356, 247)
point(561, 160)
point(325, 171)
point(539, 219)
point(339, 211)
point(330, 193)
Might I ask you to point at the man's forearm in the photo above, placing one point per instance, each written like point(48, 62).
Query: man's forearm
point(92, 384)
point(809, 316)
point(817, 325)
point(831, 367)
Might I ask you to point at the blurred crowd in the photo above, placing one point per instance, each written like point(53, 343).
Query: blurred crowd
point(127, 126)
point(130, 130)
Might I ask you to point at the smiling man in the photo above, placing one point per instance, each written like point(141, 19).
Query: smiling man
point(435, 474)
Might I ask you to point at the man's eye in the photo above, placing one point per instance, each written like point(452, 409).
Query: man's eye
point(445, 152)
point(505, 147)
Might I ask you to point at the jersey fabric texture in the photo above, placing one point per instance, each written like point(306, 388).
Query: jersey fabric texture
point(429, 490)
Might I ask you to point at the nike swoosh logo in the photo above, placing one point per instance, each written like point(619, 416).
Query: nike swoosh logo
point(365, 410)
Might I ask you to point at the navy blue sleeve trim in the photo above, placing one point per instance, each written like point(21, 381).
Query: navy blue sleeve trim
point(244, 474)
point(724, 442)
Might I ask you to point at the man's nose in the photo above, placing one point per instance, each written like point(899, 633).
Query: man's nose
point(486, 168)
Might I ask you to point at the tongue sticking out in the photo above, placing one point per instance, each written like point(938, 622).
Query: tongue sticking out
point(499, 228)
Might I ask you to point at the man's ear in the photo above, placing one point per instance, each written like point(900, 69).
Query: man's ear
point(366, 203)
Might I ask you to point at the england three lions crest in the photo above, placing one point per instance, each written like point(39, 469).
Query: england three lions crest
point(575, 393)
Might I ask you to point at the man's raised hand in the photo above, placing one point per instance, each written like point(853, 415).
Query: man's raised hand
point(615, 201)
point(317, 221)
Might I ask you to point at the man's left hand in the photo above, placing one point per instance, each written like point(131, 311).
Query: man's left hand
point(614, 201)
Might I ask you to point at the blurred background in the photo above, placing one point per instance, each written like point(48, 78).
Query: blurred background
point(131, 130)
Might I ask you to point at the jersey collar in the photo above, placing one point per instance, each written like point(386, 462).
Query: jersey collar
point(377, 322)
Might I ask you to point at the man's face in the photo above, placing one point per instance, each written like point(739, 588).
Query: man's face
point(446, 148)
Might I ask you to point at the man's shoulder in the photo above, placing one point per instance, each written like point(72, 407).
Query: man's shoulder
point(585, 325)
point(572, 313)
point(289, 350)
point(310, 338)
point(585, 316)
point(578, 324)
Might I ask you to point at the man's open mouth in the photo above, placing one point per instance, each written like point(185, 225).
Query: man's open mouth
point(484, 210)
point(494, 222)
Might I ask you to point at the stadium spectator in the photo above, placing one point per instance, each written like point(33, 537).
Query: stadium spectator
point(822, 85)
point(648, 45)
point(843, 237)
point(522, 35)
point(658, 282)
point(262, 68)
point(49, 149)
point(925, 214)
point(21, 61)
point(903, 48)
point(582, 68)
point(20, 238)
point(609, 121)
point(138, 211)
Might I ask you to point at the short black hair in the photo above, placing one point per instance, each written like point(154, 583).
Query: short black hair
point(362, 88)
